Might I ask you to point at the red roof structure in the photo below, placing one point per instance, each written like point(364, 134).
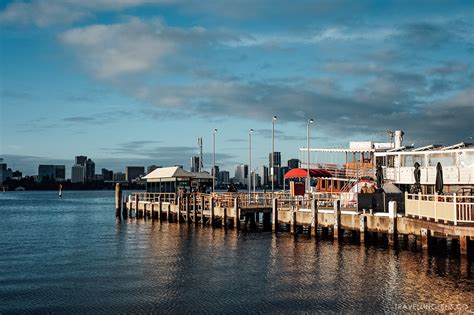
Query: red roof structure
point(302, 172)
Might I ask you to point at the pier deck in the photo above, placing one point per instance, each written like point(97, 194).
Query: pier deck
point(282, 212)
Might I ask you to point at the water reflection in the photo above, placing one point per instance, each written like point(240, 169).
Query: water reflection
point(71, 257)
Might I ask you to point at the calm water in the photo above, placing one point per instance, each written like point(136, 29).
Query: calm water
point(70, 255)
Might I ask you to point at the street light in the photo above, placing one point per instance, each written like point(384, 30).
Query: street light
point(272, 171)
point(214, 159)
point(250, 162)
point(310, 121)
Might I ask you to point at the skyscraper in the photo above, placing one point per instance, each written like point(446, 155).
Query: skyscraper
point(195, 164)
point(107, 175)
point(89, 170)
point(276, 167)
point(81, 160)
point(263, 172)
point(293, 163)
point(77, 173)
point(134, 172)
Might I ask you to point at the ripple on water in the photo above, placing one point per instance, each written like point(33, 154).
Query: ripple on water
point(70, 256)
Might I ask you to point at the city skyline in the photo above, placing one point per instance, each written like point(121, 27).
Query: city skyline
point(136, 83)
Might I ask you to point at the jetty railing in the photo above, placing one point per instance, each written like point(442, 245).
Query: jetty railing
point(153, 197)
point(451, 208)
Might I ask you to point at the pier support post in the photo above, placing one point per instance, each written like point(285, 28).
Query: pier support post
point(314, 218)
point(152, 212)
point(293, 221)
point(211, 215)
point(160, 209)
point(203, 205)
point(124, 208)
point(118, 200)
point(392, 228)
point(425, 238)
point(144, 212)
point(236, 213)
point(463, 244)
point(362, 227)
point(337, 219)
point(275, 215)
point(188, 212)
point(137, 215)
point(195, 209)
point(224, 217)
point(168, 213)
point(267, 218)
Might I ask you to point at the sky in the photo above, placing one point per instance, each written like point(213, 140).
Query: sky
point(136, 82)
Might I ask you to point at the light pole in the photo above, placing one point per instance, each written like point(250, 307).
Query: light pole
point(250, 162)
point(272, 171)
point(214, 159)
point(310, 121)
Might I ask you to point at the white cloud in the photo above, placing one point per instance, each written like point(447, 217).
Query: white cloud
point(44, 13)
point(119, 49)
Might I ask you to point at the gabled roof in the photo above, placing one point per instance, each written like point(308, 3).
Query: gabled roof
point(169, 172)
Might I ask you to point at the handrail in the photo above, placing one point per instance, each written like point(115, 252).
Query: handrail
point(454, 208)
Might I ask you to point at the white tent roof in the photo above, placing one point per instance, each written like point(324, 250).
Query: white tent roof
point(172, 173)
point(168, 172)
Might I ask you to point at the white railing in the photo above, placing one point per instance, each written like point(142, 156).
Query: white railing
point(452, 208)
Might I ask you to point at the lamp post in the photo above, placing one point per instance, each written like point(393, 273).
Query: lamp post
point(214, 159)
point(310, 121)
point(250, 162)
point(272, 170)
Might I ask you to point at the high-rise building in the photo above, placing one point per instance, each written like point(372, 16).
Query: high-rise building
point(51, 172)
point(275, 171)
point(151, 168)
point(293, 163)
point(276, 159)
point(241, 173)
point(107, 175)
point(60, 173)
point(195, 163)
point(263, 172)
point(224, 178)
point(281, 175)
point(45, 172)
point(5, 173)
point(90, 170)
point(215, 171)
point(134, 172)
point(78, 173)
point(81, 160)
point(119, 177)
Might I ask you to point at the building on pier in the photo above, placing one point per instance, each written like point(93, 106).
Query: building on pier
point(171, 179)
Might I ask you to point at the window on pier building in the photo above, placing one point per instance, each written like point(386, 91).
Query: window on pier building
point(410, 160)
point(446, 159)
point(391, 161)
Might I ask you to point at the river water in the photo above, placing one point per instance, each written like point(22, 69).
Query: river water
point(71, 256)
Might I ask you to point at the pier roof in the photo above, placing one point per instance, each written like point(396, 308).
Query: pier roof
point(301, 172)
point(168, 173)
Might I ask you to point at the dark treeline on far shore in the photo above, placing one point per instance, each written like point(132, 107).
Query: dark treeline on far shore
point(29, 183)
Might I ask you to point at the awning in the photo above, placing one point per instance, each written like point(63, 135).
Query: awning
point(301, 172)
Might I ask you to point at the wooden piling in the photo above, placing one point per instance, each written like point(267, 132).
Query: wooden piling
point(425, 238)
point(203, 205)
point(136, 206)
point(211, 215)
point(144, 212)
point(337, 219)
point(314, 218)
point(293, 221)
point(195, 210)
point(188, 212)
point(362, 227)
point(168, 213)
point(275, 215)
point(392, 228)
point(118, 199)
point(124, 208)
point(160, 209)
point(463, 244)
point(224, 217)
point(236, 213)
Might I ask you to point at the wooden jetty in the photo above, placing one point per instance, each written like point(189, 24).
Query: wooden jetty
point(426, 216)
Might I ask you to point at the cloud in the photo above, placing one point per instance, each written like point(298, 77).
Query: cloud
point(135, 46)
point(45, 13)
